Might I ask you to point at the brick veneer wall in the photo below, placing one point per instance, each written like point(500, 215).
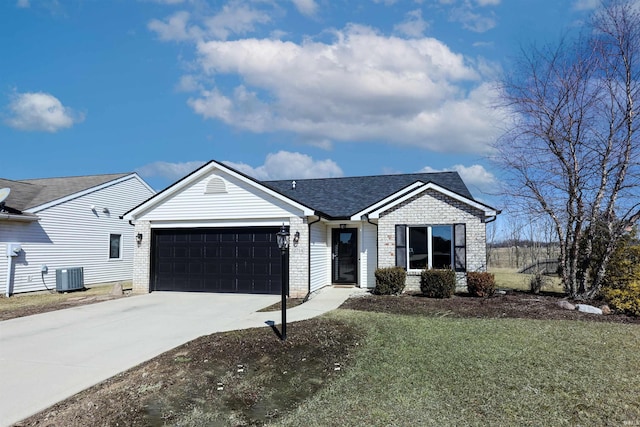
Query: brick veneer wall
point(142, 258)
point(433, 208)
point(299, 258)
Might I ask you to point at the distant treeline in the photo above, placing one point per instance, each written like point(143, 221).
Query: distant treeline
point(511, 243)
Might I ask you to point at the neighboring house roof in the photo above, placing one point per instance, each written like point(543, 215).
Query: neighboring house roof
point(342, 197)
point(30, 193)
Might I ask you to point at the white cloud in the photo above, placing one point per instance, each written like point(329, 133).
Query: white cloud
point(361, 87)
point(170, 171)
point(413, 25)
point(234, 18)
point(188, 83)
point(170, 2)
point(280, 165)
point(174, 28)
point(39, 111)
point(23, 4)
point(288, 165)
point(306, 7)
point(471, 20)
point(586, 4)
point(475, 176)
point(488, 2)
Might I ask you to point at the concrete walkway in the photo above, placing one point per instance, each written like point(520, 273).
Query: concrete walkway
point(49, 357)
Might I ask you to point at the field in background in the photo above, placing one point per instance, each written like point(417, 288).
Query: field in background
point(518, 257)
point(509, 278)
point(505, 263)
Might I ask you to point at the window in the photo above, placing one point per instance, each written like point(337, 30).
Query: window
point(431, 246)
point(114, 246)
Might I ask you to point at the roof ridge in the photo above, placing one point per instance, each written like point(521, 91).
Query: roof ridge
point(359, 176)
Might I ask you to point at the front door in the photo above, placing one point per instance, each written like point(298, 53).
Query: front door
point(345, 255)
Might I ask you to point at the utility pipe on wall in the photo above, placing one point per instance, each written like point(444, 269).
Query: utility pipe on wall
point(13, 250)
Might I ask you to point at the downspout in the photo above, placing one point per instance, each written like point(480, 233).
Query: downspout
point(9, 272)
point(306, 298)
point(375, 225)
point(377, 248)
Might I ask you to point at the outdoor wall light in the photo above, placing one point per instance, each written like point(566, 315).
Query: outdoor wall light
point(282, 238)
point(139, 238)
point(343, 226)
point(296, 238)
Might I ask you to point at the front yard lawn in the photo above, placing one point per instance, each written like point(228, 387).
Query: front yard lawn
point(429, 366)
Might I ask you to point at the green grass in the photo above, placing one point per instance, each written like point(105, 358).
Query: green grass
point(413, 371)
point(44, 298)
point(509, 278)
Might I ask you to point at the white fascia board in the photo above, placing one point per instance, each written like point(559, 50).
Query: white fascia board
point(488, 211)
point(358, 216)
point(82, 193)
point(199, 174)
point(220, 224)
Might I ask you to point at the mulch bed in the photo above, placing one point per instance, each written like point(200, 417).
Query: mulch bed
point(513, 304)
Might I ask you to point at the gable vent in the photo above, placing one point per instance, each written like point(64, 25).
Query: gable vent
point(215, 185)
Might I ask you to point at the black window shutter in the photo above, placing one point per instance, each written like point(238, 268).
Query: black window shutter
point(460, 247)
point(401, 246)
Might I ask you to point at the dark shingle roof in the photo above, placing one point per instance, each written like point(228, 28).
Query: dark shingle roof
point(29, 193)
point(343, 197)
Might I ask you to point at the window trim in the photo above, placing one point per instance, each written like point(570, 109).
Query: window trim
point(429, 227)
point(120, 247)
point(457, 250)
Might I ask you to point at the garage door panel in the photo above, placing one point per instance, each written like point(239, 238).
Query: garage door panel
point(245, 260)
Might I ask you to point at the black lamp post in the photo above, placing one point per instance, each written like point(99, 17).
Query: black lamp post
point(283, 243)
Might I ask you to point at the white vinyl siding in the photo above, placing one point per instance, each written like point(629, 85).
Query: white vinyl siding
point(320, 254)
point(240, 202)
point(71, 234)
point(368, 255)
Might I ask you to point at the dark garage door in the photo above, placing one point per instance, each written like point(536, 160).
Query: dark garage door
point(245, 260)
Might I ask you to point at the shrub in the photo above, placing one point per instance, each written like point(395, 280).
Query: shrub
point(625, 299)
point(538, 280)
point(480, 284)
point(390, 280)
point(438, 283)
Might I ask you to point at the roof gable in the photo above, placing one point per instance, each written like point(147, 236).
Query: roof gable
point(204, 172)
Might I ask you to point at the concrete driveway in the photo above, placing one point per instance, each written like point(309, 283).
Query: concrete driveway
point(49, 357)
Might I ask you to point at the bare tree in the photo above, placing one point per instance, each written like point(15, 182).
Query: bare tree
point(572, 150)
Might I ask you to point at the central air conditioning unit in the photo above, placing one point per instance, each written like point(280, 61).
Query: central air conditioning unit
point(69, 279)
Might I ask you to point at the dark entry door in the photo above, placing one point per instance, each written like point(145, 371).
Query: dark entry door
point(243, 260)
point(345, 255)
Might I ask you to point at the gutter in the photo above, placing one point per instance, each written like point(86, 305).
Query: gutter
point(18, 218)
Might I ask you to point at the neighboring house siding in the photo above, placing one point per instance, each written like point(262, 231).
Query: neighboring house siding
point(239, 202)
point(433, 208)
point(368, 255)
point(70, 234)
point(320, 253)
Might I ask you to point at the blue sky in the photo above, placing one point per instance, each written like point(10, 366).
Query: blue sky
point(279, 89)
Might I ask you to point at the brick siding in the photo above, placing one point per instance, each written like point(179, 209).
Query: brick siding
point(433, 208)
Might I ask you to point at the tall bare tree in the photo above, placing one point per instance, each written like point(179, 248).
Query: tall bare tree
point(572, 150)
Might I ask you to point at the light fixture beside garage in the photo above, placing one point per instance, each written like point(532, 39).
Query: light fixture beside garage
point(139, 238)
point(282, 237)
point(296, 238)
